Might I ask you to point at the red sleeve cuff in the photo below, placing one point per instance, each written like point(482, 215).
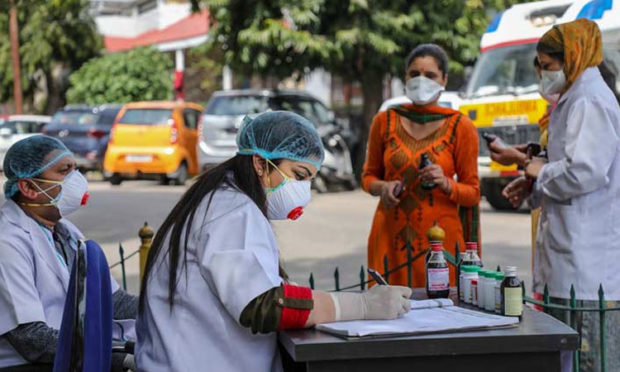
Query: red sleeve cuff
point(292, 318)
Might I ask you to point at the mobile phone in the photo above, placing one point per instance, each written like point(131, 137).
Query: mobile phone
point(533, 149)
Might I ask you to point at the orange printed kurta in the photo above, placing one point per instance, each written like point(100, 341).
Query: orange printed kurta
point(395, 155)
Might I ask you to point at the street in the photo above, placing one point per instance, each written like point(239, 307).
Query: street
point(332, 233)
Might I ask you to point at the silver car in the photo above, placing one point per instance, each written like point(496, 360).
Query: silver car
point(18, 127)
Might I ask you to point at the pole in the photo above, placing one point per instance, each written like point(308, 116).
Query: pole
point(17, 86)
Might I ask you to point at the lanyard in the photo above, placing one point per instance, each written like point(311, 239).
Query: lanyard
point(47, 234)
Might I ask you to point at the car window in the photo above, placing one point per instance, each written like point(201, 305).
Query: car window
point(23, 127)
point(321, 112)
point(146, 116)
point(236, 105)
point(107, 116)
point(190, 118)
point(299, 106)
point(75, 118)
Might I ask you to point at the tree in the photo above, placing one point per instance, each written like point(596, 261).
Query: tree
point(140, 74)
point(359, 40)
point(56, 37)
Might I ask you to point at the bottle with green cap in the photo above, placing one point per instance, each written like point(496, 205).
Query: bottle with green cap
point(482, 283)
point(499, 278)
point(469, 273)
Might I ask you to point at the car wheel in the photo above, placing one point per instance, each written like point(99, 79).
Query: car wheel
point(350, 185)
point(116, 179)
point(182, 175)
point(319, 185)
point(164, 180)
point(493, 193)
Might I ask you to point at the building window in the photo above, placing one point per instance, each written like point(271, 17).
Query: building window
point(146, 6)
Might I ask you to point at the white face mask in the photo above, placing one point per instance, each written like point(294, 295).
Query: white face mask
point(551, 82)
point(288, 199)
point(74, 193)
point(422, 90)
point(552, 99)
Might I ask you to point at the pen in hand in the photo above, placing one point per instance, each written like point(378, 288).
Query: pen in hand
point(377, 277)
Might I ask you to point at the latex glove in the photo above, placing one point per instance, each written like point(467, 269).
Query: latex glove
point(129, 363)
point(379, 302)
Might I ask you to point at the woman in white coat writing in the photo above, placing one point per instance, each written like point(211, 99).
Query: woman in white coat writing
point(212, 293)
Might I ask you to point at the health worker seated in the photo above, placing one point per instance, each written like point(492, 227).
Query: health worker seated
point(38, 246)
point(213, 295)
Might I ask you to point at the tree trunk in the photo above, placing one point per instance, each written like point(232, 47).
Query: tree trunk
point(372, 94)
point(57, 85)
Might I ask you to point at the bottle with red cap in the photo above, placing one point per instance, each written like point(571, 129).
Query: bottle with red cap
point(437, 273)
point(471, 251)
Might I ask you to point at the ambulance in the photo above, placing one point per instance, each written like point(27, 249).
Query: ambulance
point(501, 96)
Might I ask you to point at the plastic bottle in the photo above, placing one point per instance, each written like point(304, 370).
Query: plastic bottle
point(482, 283)
point(472, 249)
point(469, 273)
point(474, 292)
point(492, 138)
point(425, 162)
point(512, 295)
point(464, 258)
point(437, 273)
point(499, 278)
point(489, 294)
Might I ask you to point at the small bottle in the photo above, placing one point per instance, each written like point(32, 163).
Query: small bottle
point(482, 282)
point(437, 273)
point(489, 293)
point(463, 259)
point(512, 295)
point(499, 278)
point(474, 292)
point(425, 162)
point(492, 138)
point(469, 273)
point(472, 249)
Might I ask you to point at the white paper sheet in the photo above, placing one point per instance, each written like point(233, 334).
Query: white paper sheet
point(421, 319)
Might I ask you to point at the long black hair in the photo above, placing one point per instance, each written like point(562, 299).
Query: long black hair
point(244, 178)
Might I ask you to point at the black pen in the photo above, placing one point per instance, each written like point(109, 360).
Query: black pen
point(377, 277)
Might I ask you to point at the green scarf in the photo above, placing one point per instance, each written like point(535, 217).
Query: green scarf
point(416, 117)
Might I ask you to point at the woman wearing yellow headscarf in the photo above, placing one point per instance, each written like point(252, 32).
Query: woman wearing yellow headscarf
point(578, 187)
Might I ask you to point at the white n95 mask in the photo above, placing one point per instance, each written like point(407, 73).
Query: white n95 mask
point(422, 90)
point(288, 199)
point(551, 82)
point(73, 195)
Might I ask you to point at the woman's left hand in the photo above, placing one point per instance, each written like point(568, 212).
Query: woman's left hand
point(434, 174)
point(533, 167)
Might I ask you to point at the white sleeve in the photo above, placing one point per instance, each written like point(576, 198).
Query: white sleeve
point(19, 299)
point(241, 257)
point(590, 148)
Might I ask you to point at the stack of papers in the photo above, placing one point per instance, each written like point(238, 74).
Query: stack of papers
point(427, 316)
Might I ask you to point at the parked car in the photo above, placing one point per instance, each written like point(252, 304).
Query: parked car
point(16, 127)
point(85, 130)
point(447, 99)
point(154, 140)
point(226, 109)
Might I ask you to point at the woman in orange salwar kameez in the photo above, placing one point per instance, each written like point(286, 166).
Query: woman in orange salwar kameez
point(398, 138)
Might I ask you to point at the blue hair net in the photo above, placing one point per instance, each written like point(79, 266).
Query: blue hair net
point(281, 135)
point(26, 159)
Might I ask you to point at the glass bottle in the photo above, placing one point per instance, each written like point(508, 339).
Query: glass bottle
point(437, 273)
point(512, 295)
point(472, 249)
point(425, 161)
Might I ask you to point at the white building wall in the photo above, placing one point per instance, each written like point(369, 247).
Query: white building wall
point(318, 83)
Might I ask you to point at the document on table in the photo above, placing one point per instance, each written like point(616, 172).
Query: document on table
point(427, 316)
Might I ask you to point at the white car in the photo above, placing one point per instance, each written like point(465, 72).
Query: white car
point(447, 99)
point(17, 127)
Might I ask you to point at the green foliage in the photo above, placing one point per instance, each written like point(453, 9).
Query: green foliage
point(141, 74)
point(348, 37)
point(51, 33)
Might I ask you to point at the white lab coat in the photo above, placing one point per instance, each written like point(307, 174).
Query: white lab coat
point(33, 277)
point(579, 189)
point(232, 257)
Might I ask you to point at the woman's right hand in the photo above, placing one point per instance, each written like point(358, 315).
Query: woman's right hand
point(379, 302)
point(387, 194)
point(508, 155)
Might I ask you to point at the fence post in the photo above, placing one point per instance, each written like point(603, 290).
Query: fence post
point(146, 237)
point(121, 253)
point(409, 263)
point(573, 324)
point(337, 279)
point(311, 281)
point(386, 272)
point(603, 336)
point(362, 278)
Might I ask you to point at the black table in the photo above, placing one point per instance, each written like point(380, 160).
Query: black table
point(534, 345)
